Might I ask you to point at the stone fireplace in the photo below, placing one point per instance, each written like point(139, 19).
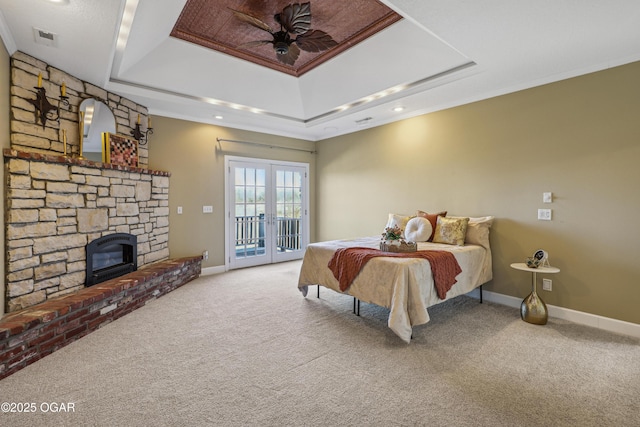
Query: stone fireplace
point(57, 205)
point(59, 209)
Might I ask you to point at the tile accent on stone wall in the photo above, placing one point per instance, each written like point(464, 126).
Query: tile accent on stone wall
point(56, 205)
point(27, 134)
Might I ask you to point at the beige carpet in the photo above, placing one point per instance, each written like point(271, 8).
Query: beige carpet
point(244, 348)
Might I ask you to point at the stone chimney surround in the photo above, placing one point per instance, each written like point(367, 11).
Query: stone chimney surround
point(55, 204)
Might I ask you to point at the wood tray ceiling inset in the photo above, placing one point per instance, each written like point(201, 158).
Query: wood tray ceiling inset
point(211, 24)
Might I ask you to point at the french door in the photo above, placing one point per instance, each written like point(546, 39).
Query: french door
point(267, 207)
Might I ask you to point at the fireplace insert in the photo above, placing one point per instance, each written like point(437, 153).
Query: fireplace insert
point(111, 256)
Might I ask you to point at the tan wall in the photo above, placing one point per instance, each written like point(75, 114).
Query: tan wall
point(190, 152)
point(5, 142)
point(579, 138)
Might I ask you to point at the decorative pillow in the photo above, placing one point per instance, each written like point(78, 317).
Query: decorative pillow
point(397, 220)
point(451, 231)
point(433, 218)
point(478, 231)
point(418, 229)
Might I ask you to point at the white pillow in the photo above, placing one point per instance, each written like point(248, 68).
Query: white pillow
point(418, 229)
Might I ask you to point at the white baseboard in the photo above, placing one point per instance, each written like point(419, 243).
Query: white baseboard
point(593, 320)
point(213, 270)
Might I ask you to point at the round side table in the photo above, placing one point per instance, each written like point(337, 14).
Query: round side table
point(533, 309)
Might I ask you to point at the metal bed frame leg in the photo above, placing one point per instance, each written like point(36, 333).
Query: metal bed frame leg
point(356, 306)
point(318, 296)
point(480, 294)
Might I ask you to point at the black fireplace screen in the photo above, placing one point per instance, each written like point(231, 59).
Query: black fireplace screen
point(111, 256)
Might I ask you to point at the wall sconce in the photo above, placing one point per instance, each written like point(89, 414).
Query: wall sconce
point(44, 109)
point(142, 136)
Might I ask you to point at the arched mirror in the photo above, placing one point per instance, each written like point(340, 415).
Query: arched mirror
point(98, 118)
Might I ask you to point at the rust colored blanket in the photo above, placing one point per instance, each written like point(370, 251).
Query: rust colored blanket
point(346, 264)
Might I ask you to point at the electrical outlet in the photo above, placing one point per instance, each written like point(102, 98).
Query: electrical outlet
point(205, 255)
point(544, 214)
point(179, 210)
point(207, 209)
point(547, 197)
point(547, 284)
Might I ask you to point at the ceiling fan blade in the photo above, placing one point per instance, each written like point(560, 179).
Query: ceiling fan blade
point(252, 20)
point(315, 41)
point(290, 57)
point(254, 44)
point(295, 18)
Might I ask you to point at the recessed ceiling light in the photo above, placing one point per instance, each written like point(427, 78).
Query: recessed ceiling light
point(58, 1)
point(398, 109)
point(219, 117)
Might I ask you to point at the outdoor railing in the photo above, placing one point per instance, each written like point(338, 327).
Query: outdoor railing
point(250, 231)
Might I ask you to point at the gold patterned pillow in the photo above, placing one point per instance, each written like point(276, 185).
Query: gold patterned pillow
point(451, 231)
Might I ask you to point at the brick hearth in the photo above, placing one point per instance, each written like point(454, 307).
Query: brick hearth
point(37, 331)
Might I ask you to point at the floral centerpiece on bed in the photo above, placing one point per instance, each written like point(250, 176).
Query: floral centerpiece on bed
point(392, 233)
point(393, 241)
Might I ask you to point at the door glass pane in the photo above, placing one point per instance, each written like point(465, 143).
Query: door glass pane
point(251, 177)
point(239, 194)
point(251, 195)
point(261, 194)
point(249, 223)
point(261, 179)
point(239, 176)
point(288, 210)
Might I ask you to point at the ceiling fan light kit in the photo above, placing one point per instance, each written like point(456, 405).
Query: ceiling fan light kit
point(295, 19)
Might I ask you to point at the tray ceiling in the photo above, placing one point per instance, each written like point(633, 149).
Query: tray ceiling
point(439, 55)
point(211, 24)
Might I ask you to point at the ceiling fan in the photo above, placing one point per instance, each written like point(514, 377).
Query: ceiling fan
point(294, 20)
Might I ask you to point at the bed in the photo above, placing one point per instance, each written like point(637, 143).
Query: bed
point(403, 285)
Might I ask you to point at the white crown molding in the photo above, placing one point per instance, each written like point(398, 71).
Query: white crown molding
point(7, 37)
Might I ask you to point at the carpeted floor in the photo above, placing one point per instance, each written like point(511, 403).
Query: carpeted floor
point(244, 348)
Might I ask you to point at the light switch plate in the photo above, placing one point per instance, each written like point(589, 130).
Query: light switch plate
point(547, 197)
point(207, 209)
point(544, 214)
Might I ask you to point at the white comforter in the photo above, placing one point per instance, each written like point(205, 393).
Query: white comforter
point(404, 285)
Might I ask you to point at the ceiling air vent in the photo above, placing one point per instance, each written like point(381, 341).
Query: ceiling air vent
point(45, 37)
point(364, 121)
